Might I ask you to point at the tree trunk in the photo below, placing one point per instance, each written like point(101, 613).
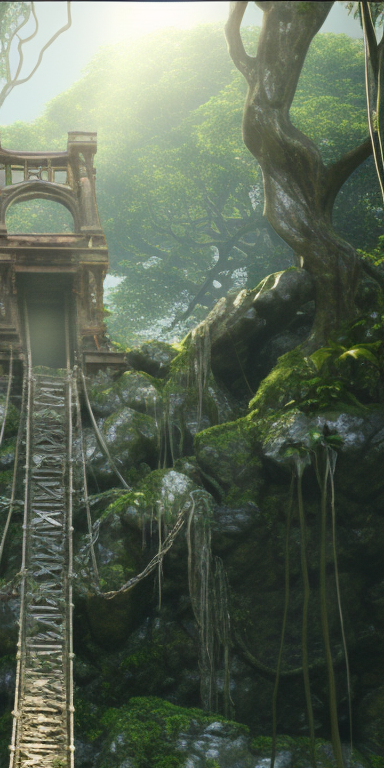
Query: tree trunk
point(299, 189)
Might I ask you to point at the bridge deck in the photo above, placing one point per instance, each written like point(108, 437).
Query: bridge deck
point(43, 715)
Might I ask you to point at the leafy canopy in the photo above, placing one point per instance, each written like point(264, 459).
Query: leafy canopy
point(176, 187)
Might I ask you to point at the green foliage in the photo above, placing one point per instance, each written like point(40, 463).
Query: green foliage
point(146, 730)
point(175, 181)
point(87, 719)
point(38, 216)
point(376, 254)
point(337, 353)
point(284, 386)
point(377, 761)
point(350, 370)
point(298, 746)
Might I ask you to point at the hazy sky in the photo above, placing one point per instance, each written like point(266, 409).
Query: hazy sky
point(104, 23)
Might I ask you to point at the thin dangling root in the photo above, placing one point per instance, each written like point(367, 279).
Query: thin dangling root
point(335, 735)
point(332, 456)
point(202, 365)
point(199, 579)
point(286, 603)
point(304, 634)
point(223, 628)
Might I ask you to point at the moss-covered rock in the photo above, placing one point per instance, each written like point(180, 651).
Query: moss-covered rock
point(153, 733)
point(193, 401)
point(293, 752)
point(230, 455)
point(357, 434)
point(284, 384)
point(163, 491)
point(132, 439)
point(131, 389)
point(153, 357)
point(240, 325)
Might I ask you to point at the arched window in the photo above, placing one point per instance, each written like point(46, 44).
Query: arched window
point(38, 216)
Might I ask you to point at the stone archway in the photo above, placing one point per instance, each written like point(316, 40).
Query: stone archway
point(43, 190)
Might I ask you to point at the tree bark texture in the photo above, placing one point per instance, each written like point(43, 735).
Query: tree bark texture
point(299, 189)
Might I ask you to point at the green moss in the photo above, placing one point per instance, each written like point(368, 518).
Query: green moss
point(228, 453)
point(298, 746)
point(146, 730)
point(87, 718)
point(296, 383)
point(181, 363)
point(144, 500)
point(285, 383)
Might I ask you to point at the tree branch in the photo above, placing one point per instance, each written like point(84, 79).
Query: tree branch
point(26, 40)
point(237, 52)
point(340, 171)
point(215, 270)
point(9, 86)
point(7, 62)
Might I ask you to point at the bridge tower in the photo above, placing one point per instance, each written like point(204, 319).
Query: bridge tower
point(54, 275)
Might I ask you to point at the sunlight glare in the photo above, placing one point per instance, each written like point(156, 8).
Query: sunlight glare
point(125, 20)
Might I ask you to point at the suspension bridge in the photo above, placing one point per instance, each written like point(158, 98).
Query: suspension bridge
point(51, 330)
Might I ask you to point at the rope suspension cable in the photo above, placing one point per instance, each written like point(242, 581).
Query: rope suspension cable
point(16, 461)
point(24, 548)
point(99, 436)
point(331, 457)
point(167, 544)
point(187, 508)
point(70, 700)
point(6, 406)
point(85, 484)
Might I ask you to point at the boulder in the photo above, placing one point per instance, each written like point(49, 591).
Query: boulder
point(131, 389)
point(153, 357)
point(118, 558)
point(229, 455)
point(358, 435)
point(192, 399)
point(152, 731)
point(240, 325)
point(217, 743)
point(168, 492)
point(132, 439)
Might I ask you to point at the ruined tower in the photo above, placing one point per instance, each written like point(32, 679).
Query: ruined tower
point(57, 277)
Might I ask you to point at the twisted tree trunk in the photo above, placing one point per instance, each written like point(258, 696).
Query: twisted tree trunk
point(299, 189)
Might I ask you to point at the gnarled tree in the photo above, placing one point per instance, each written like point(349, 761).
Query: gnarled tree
point(300, 190)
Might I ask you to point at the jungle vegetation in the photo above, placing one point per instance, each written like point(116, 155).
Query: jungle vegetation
point(181, 202)
point(180, 196)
